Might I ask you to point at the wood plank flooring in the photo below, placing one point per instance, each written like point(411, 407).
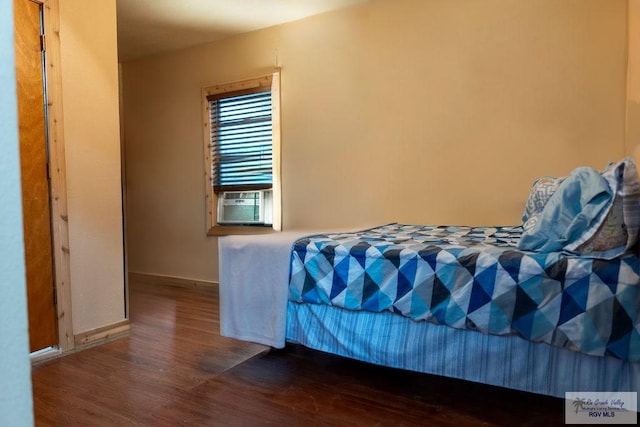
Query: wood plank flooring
point(176, 370)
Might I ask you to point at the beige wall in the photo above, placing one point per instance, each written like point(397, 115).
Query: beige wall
point(417, 111)
point(633, 77)
point(92, 143)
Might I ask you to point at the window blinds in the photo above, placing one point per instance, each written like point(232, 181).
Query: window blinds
point(241, 148)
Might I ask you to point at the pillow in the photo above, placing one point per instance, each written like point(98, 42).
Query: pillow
point(619, 229)
point(590, 213)
point(541, 191)
point(579, 202)
point(611, 234)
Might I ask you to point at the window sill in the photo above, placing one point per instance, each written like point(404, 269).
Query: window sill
point(230, 230)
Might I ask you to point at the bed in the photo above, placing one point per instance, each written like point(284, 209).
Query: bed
point(549, 306)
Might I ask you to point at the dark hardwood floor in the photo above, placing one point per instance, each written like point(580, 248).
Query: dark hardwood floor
point(176, 370)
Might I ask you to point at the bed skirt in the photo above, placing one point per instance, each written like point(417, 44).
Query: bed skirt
point(506, 361)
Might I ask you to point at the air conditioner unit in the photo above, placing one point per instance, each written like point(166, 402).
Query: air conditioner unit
point(245, 207)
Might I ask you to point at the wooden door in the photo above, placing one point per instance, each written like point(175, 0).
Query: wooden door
point(29, 50)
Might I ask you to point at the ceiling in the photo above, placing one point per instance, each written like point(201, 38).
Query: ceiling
point(146, 27)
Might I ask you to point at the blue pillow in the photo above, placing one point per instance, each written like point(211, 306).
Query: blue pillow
point(580, 216)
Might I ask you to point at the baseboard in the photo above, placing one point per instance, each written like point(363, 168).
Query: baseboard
point(101, 335)
point(181, 282)
point(84, 340)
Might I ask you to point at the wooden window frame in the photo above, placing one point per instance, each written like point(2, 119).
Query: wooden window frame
point(213, 228)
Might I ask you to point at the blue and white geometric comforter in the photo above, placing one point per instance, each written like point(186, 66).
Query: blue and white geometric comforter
point(475, 278)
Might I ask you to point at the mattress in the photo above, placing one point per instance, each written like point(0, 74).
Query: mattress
point(475, 278)
point(254, 306)
point(501, 360)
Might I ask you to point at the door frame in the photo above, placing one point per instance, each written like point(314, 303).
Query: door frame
point(58, 176)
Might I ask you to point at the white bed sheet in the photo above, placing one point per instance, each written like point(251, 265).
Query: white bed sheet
point(254, 277)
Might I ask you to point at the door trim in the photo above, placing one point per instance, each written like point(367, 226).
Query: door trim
point(59, 213)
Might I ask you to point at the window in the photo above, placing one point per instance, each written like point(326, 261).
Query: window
point(241, 132)
point(242, 140)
